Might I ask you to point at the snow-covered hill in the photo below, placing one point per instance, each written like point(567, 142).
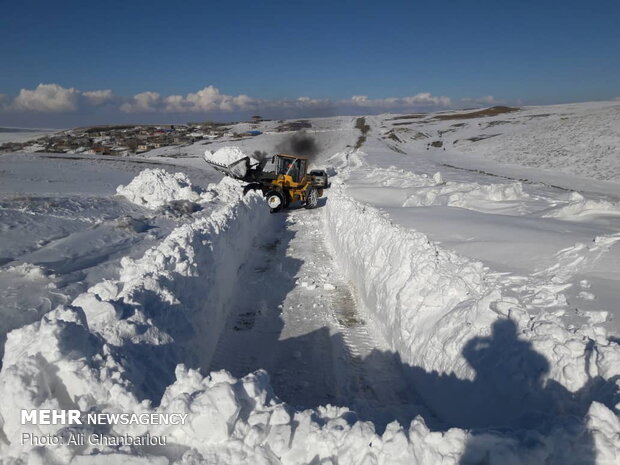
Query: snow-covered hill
point(577, 139)
point(440, 306)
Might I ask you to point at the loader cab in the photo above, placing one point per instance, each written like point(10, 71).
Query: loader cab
point(295, 167)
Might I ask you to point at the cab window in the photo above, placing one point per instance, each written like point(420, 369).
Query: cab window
point(283, 164)
point(291, 167)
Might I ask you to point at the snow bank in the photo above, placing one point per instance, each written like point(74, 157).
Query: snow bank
point(176, 294)
point(228, 420)
point(414, 288)
point(399, 187)
point(578, 206)
point(27, 292)
point(29, 271)
point(118, 345)
point(406, 281)
point(463, 334)
point(465, 195)
point(154, 188)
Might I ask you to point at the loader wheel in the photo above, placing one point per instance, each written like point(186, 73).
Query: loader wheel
point(312, 198)
point(275, 200)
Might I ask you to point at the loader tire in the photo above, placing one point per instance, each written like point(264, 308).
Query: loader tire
point(312, 198)
point(275, 200)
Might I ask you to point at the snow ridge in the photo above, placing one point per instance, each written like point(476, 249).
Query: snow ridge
point(462, 334)
point(154, 188)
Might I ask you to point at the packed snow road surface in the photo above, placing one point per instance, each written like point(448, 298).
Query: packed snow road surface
point(297, 318)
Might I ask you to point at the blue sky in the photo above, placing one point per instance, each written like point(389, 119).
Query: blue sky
point(409, 55)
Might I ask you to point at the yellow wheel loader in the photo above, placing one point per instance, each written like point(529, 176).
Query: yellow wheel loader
point(289, 181)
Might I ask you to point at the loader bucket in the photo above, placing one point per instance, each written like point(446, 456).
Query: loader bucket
point(237, 169)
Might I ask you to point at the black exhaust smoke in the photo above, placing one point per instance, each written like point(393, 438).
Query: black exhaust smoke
point(259, 155)
point(301, 144)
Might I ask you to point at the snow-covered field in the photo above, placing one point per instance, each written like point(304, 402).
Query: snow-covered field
point(22, 135)
point(454, 306)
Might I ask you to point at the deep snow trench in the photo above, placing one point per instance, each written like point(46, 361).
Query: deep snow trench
point(296, 317)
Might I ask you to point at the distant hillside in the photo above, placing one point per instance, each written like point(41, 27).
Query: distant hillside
point(22, 130)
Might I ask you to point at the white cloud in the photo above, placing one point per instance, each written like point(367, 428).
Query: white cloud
point(55, 98)
point(361, 100)
point(617, 99)
point(98, 97)
point(299, 102)
point(210, 99)
point(421, 100)
point(47, 98)
point(205, 100)
point(143, 102)
point(174, 103)
point(485, 100)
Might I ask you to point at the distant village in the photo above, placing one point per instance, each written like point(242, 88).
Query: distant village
point(133, 139)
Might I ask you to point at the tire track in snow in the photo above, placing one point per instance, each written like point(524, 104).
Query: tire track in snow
point(373, 375)
point(296, 317)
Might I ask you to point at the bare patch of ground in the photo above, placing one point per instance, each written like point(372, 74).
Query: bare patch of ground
point(493, 111)
point(398, 134)
point(360, 124)
point(481, 137)
point(392, 135)
point(412, 116)
point(497, 123)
